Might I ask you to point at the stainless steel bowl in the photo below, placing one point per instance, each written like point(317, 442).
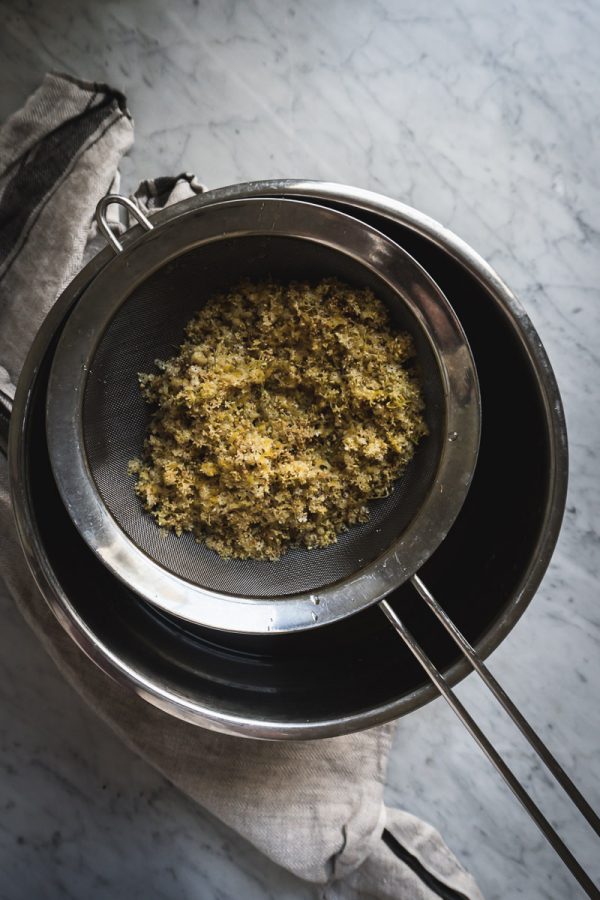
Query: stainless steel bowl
point(353, 674)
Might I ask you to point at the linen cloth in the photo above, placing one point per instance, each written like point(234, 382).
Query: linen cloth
point(314, 807)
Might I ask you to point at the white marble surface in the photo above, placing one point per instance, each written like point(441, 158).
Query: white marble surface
point(483, 115)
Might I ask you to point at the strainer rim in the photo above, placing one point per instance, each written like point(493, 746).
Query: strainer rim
point(75, 351)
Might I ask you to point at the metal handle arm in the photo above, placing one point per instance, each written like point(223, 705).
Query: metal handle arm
point(492, 754)
point(507, 704)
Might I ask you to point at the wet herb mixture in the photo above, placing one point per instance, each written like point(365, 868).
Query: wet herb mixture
point(286, 409)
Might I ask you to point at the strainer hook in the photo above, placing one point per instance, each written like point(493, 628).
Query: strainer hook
point(127, 204)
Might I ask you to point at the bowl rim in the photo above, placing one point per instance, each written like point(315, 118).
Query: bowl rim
point(184, 707)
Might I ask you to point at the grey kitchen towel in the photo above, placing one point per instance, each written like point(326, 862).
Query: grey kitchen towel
point(314, 807)
point(58, 157)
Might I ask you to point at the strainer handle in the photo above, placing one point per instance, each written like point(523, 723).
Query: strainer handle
point(492, 754)
point(127, 204)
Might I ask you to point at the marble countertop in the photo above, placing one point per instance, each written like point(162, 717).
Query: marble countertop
point(485, 116)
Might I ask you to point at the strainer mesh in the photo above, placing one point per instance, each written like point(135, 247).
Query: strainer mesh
point(148, 326)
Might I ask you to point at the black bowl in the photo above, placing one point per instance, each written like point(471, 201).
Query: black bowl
point(357, 672)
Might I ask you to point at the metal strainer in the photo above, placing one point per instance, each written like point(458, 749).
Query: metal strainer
point(135, 311)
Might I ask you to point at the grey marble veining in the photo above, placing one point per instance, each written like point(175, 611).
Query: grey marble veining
point(486, 117)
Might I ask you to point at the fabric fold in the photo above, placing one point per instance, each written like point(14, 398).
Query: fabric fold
point(58, 157)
